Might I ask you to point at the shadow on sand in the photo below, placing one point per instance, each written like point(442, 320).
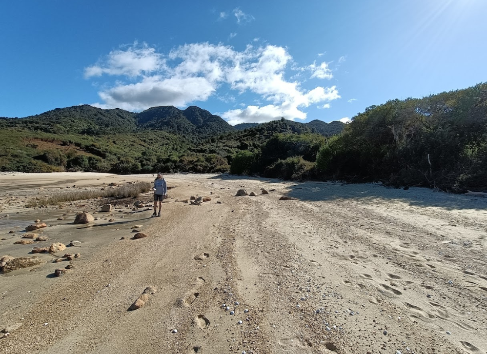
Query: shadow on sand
point(369, 192)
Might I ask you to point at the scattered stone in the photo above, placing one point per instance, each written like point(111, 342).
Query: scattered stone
point(113, 184)
point(77, 255)
point(192, 197)
point(11, 328)
point(59, 272)
point(75, 244)
point(111, 220)
point(122, 238)
point(83, 218)
point(36, 226)
point(142, 299)
point(252, 194)
point(57, 260)
point(197, 201)
point(206, 199)
point(241, 193)
point(106, 208)
point(8, 263)
point(135, 230)
point(37, 221)
point(139, 235)
point(23, 242)
point(41, 238)
point(57, 247)
point(69, 266)
point(40, 250)
point(60, 218)
point(285, 197)
point(11, 232)
point(264, 191)
point(136, 226)
point(174, 330)
point(139, 204)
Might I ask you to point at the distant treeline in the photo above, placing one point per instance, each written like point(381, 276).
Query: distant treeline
point(438, 141)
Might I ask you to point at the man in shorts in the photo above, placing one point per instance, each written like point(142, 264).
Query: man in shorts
point(160, 192)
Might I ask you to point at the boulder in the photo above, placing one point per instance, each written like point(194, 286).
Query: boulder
point(23, 242)
point(139, 235)
point(83, 218)
point(5, 259)
point(241, 193)
point(31, 236)
point(59, 272)
point(252, 194)
point(106, 207)
point(57, 247)
point(142, 299)
point(40, 250)
point(41, 238)
point(18, 263)
point(36, 226)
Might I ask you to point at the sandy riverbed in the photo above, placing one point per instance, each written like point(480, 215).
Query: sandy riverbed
point(340, 269)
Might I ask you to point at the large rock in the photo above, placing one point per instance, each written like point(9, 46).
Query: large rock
point(23, 242)
point(41, 238)
point(139, 235)
point(18, 263)
point(83, 218)
point(142, 299)
point(31, 236)
point(40, 250)
point(36, 226)
point(106, 207)
point(241, 193)
point(57, 247)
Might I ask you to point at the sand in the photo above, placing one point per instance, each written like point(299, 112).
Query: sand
point(339, 269)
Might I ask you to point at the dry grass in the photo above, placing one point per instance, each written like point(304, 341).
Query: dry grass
point(127, 191)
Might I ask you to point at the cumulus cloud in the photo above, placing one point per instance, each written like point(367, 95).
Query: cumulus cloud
point(325, 106)
point(196, 72)
point(132, 62)
point(242, 16)
point(321, 71)
point(345, 120)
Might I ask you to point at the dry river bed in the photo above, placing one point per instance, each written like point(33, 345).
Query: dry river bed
point(337, 269)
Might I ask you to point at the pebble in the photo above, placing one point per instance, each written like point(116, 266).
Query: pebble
point(240, 322)
point(232, 313)
point(174, 331)
point(448, 332)
point(246, 310)
point(385, 333)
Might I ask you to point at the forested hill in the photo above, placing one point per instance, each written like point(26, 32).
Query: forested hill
point(191, 122)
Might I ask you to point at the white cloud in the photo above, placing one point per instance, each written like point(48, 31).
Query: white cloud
point(223, 15)
point(233, 35)
point(342, 59)
point(321, 71)
point(134, 61)
point(345, 120)
point(242, 16)
point(198, 71)
point(351, 100)
point(325, 106)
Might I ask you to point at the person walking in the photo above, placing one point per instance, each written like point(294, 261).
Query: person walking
point(160, 192)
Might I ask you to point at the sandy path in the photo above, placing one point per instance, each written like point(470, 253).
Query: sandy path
point(343, 268)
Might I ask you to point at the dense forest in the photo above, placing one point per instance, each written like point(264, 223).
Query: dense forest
point(438, 141)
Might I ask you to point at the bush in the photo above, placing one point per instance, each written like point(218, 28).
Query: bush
point(293, 168)
point(243, 163)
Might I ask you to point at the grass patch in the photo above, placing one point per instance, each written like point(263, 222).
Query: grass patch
point(132, 190)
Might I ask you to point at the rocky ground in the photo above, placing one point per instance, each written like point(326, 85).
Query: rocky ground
point(333, 269)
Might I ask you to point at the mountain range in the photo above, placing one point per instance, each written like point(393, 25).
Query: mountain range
point(192, 121)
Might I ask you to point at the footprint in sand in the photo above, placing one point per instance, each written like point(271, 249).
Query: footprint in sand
point(393, 276)
point(469, 346)
point(202, 322)
point(391, 289)
point(418, 312)
point(192, 295)
point(202, 256)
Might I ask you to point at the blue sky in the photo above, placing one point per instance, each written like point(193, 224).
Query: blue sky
point(247, 61)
